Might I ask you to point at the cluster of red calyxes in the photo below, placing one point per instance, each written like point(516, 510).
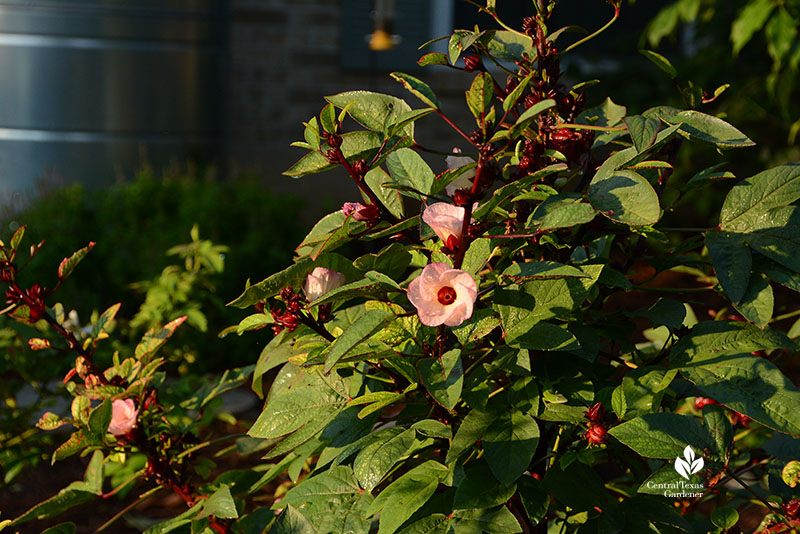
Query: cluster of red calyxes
point(289, 316)
point(597, 433)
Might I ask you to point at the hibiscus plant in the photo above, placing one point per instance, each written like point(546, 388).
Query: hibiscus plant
point(524, 336)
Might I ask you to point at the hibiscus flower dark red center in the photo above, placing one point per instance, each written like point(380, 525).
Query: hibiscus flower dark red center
point(446, 295)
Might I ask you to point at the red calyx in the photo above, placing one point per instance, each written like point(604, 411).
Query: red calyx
point(597, 434)
point(596, 413)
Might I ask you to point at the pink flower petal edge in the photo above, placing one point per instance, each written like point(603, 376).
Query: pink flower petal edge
point(123, 416)
point(320, 281)
point(425, 291)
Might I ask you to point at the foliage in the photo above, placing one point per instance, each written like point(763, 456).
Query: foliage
point(526, 346)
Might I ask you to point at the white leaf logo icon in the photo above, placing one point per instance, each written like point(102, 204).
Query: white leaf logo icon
point(690, 465)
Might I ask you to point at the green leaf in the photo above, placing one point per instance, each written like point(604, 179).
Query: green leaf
point(294, 276)
point(443, 377)
point(355, 145)
point(406, 495)
point(732, 262)
point(511, 46)
point(542, 270)
point(105, 318)
point(642, 389)
point(493, 521)
point(374, 283)
point(477, 255)
point(292, 522)
point(534, 499)
point(434, 58)
point(757, 303)
point(513, 96)
point(433, 429)
point(408, 168)
point(480, 94)
point(154, 339)
point(50, 421)
point(748, 203)
point(720, 428)
point(747, 384)
point(372, 110)
point(482, 322)
point(509, 444)
point(542, 336)
point(527, 117)
point(308, 400)
point(376, 459)
point(717, 338)
point(781, 33)
point(561, 211)
point(404, 119)
point(73, 495)
point(576, 486)
point(63, 528)
point(432, 524)
point(68, 264)
point(708, 129)
point(607, 114)
point(625, 197)
point(469, 432)
point(363, 328)
point(418, 88)
point(751, 19)
point(254, 322)
point(724, 517)
point(662, 435)
point(327, 118)
point(219, 504)
point(791, 473)
point(311, 133)
point(480, 489)
point(661, 62)
point(643, 131)
point(99, 419)
point(514, 188)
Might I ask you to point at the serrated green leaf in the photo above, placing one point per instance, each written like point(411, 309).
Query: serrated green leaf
point(68, 264)
point(511, 46)
point(479, 520)
point(154, 339)
point(625, 197)
point(480, 489)
point(359, 331)
point(469, 432)
point(751, 19)
point(643, 131)
point(561, 211)
point(748, 203)
point(375, 460)
point(73, 495)
point(409, 169)
point(720, 428)
point(642, 389)
point(661, 62)
point(724, 517)
point(480, 94)
point(434, 58)
point(294, 275)
point(534, 499)
point(757, 302)
point(292, 521)
point(406, 495)
point(747, 384)
point(509, 444)
point(662, 435)
point(219, 504)
point(527, 117)
point(443, 377)
point(355, 145)
point(732, 262)
point(513, 96)
point(418, 88)
point(372, 110)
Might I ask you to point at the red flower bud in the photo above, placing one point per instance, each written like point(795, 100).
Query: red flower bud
point(791, 509)
point(596, 413)
point(699, 402)
point(597, 434)
point(472, 63)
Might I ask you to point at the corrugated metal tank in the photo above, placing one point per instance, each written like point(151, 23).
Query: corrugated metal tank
point(90, 87)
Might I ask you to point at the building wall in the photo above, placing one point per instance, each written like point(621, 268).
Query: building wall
point(284, 58)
